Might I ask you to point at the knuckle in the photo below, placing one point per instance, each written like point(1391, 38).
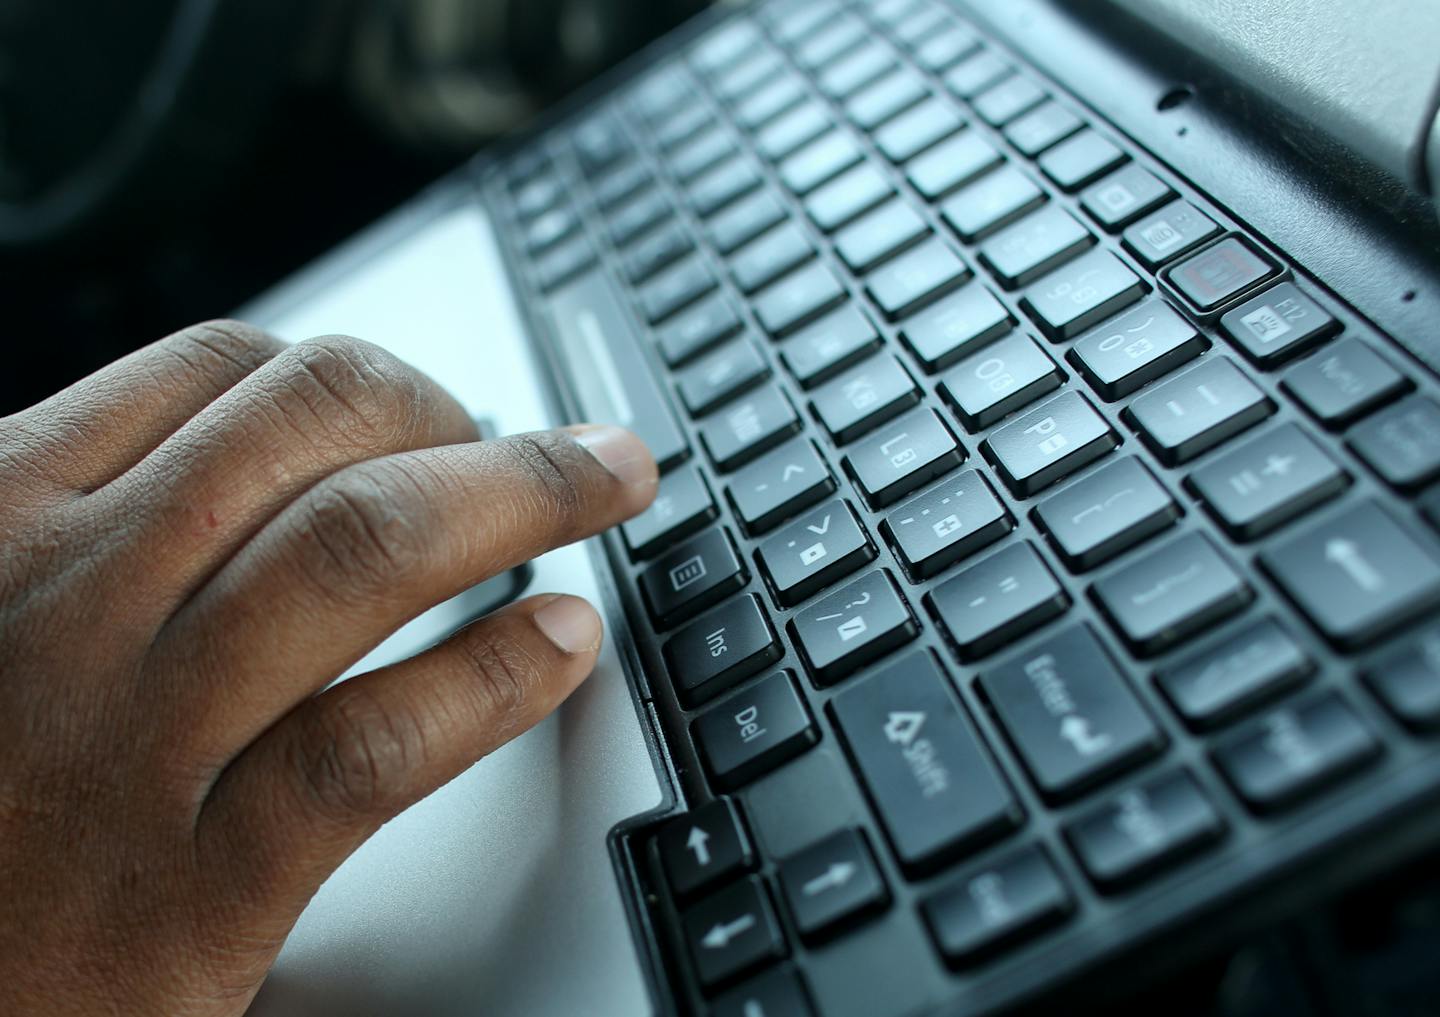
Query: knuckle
point(352, 752)
point(372, 525)
point(357, 393)
point(545, 460)
point(231, 346)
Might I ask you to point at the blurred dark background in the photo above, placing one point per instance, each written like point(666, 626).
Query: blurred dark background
point(162, 161)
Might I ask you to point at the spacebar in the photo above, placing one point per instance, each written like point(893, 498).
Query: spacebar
point(609, 375)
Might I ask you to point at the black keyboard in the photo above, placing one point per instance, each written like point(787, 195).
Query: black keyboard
point(1045, 569)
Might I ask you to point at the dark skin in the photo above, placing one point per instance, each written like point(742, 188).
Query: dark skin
point(194, 543)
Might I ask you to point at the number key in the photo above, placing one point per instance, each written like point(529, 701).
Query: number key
point(1089, 289)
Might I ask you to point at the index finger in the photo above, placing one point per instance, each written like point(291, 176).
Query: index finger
point(377, 544)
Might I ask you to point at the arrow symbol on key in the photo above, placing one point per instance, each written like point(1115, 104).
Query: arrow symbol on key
point(790, 470)
point(699, 844)
point(1345, 554)
point(837, 875)
point(719, 937)
point(822, 529)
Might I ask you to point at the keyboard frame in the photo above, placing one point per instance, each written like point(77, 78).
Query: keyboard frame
point(1333, 840)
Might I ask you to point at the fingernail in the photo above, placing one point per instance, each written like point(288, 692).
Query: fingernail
point(619, 451)
point(570, 623)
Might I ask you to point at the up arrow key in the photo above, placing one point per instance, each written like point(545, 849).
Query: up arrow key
point(698, 844)
point(704, 848)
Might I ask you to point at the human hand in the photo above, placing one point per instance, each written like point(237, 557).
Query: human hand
point(194, 543)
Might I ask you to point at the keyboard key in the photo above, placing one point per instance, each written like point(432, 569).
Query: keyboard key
point(675, 289)
point(998, 380)
point(829, 346)
point(993, 201)
point(1268, 481)
point(613, 379)
point(754, 731)
point(880, 235)
point(549, 229)
point(733, 932)
point(1357, 575)
point(916, 278)
point(956, 326)
point(1294, 752)
point(698, 329)
point(951, 521)
point(1124, 196)
point(1003, 102)
point(782, 482)
point(991, 604)
point(1081, 159)
point(643, 213)
point(702, 154)
point(1070, 713)
point(971, 77)
point(682, 506)
point(766, 259)
point(996, 905)
point(1242, 670)
point(683, 125)
point(563, 263)
point(720, 649)
point(662, 247)
point(886, 99)
point(622, 185)
point(1219, 274)
point(814, 551)
point(838, 36)
point(798, 299)
point(1038, 243)
point(788, 132)
point(1277, 325)
point(1402, 443)
point(776, 993)
point(830, 883)
point(1176, 590)
point(819, 162)
point(1045, 125)
point(720, 375)
point(952, 164)
point(1106, 513)
point(770, 100)
point(1344, 382)
point(939, 52)
point(1129, 352)
point(722, 48)
point(1204, 407)
point(723, 185)
point(903, 455)
point(1083, 293)
point(914, 131)
point(1161, 236)
point(685, 581)
point(1050, 442)
point(933, 784)
point(749, 426)
point(704, 847)
point(850, 195)
point(1145, 829)
point(864, 397)
point(847, 76)
point(1407, 681)
point(744, 221)
point(756, 65)
point(854, 625)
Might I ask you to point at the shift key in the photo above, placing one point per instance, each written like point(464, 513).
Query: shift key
point(935, 787)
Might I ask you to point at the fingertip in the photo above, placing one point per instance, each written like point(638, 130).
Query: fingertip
point(571, 624)
point(621, 452)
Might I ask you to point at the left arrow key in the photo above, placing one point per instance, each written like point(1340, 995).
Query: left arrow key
point(733, 932)
point(704, 847)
